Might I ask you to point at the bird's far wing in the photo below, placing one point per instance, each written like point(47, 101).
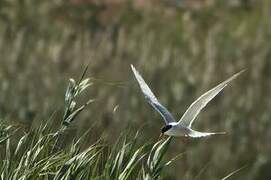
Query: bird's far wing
point(152, 100)
point(195, 108)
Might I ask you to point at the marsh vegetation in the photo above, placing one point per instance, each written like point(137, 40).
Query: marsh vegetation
point(182, 51)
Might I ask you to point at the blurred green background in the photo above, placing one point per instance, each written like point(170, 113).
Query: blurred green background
point(182, 49)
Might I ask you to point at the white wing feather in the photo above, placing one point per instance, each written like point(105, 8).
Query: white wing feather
point(195, 108)
point(150, 97)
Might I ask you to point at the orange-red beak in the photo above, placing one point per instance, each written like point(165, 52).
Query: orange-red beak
point(161, 135)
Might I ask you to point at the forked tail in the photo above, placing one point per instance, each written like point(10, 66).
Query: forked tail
point(197, 134)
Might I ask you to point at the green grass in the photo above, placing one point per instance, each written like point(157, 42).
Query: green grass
point(181, 52)
point(40, 153)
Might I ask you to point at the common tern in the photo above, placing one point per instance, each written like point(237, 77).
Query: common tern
point(183, 126)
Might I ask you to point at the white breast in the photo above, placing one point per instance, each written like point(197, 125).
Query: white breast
point(176, 130)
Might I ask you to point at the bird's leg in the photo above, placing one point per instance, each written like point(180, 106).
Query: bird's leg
point(184, 139)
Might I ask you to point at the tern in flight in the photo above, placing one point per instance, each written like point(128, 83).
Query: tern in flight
point(183, 127)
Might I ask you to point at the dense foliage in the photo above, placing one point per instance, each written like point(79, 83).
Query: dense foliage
point(181, 51)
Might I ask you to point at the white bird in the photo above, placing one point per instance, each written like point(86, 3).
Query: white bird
point(183, 127)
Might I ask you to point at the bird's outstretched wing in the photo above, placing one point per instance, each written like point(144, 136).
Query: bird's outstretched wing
point(152, 100)
point(195, 108)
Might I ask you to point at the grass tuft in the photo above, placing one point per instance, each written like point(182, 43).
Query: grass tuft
point(38, 155)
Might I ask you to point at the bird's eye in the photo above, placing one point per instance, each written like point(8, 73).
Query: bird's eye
point(165, 128)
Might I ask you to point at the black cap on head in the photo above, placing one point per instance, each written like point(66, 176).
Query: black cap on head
point(166, 128)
